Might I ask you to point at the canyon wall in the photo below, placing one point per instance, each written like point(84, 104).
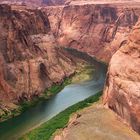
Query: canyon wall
point(30, 62)
point(97, 29)
point(122, 89)
point(103, 31)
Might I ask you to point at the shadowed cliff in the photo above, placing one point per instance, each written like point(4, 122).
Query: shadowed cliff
point(29, 59)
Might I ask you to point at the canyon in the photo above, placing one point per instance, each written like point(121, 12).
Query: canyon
point(99, 30)
point(30, 62)
point(103, 31)
point(33, 55)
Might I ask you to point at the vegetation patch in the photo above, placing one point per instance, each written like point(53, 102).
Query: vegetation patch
point(46, 130)
point(83, 72)
point(54, 89)
point(57, 87)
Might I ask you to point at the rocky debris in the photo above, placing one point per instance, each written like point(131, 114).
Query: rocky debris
point(122, 88)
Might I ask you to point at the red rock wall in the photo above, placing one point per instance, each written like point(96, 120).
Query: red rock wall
point(122, 88)
point(98, 30)
point(29, 61)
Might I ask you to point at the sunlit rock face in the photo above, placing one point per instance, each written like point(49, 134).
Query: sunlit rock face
point(29, 61)
point(99, 30)
point(122, 88)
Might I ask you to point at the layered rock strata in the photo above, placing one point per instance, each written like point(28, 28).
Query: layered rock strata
point(97, 29)
point(122, 88)
point(30, 60)
point(101, 30)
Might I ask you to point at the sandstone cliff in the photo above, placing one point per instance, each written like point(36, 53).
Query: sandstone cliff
point(100, 30)
point(121, 94)
point(29, 59)
point(97, 29)
point(122, 88)
point(30, 62)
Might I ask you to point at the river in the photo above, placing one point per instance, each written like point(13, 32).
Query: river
point(13, 128)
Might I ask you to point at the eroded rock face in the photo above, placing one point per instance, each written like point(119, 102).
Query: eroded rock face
point(122, 89)
point(29, 59)
point(30, 62)
point(99, 30)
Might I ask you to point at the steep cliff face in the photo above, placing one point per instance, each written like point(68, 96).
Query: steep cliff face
point(100, 30)
point(29, 60)
point(122, 89)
